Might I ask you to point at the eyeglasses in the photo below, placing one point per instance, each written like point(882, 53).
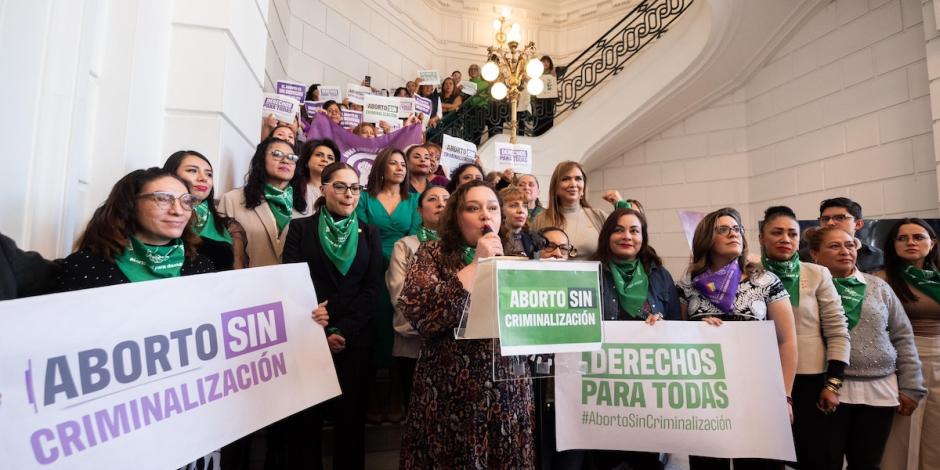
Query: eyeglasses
point(725, 230)
point(281, 156)
point(564, 249)
point(918, 237)
point(341, 188)
point(838, 218)
point(165, 200)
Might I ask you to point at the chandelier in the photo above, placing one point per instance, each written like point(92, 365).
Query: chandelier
point(510, 68)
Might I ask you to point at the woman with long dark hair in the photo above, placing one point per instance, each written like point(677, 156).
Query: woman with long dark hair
point(884, 375)
point(912, 261)
point(393, 209)
point(344, 255)
point(274, 193)
point(223, 239)
point(722, 285)
point(464, 174)
point(315, 155)
point(822, 334)
point(459, 417)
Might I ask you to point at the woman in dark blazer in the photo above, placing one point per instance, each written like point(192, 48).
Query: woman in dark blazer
point(345, 260)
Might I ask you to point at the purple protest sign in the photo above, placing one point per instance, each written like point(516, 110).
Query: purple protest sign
point(295, 90)
point(423, 105)
point(359, 152)
point(350, 118)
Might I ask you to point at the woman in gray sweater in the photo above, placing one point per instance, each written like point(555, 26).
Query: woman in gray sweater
point(884, 373)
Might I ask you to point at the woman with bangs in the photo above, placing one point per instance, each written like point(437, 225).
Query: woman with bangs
point(515, 213)
point(722, 285)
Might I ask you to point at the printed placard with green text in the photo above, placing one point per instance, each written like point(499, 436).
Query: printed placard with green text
point(548, 307)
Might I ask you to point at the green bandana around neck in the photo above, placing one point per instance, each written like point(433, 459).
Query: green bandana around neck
point(281, 203)
point(468, 253)
point(141, 262)
point(427, 234)
point(924, 280)
point(205, 224)
point(852, 292)
point(789, 273)
point(631, 283)
point(339, 238)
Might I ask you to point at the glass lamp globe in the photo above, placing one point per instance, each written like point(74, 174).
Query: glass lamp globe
point(490, 71)
point(535, 86)
point(498, 91)
point(534, 68)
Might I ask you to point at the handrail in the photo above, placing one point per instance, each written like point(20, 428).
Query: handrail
point(606, 56)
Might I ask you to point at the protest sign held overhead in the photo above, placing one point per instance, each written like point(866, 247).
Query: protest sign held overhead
point(423, 105)
point(331, 93)
point(456, 152)
point(518, 157)
point(356, 93)
point(429, 77)
point(284, 108)
point(468, 88)
point(380, 108)
point(295, 90)
point(406, 107)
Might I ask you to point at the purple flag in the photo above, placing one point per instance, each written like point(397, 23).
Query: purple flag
point(360, 152)
point(720, 286)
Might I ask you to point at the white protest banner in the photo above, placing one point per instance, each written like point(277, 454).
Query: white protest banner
point(551, 87)
point(350, 118)
point(284, 108)
point(379, 108)
point(406, 107)
point(456, 152)
point(676, 387)
point(356, 93)
point(548, 307)
point(156, 374)
point(518, 157)
point(312, 106)
point(423, 105)
point(429, 77)
point(334, 93)
point(690, 220)
point(468, 88)
point(295, 90)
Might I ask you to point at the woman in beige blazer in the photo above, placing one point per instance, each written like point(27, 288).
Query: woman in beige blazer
point(274, 193)
point(821, 328)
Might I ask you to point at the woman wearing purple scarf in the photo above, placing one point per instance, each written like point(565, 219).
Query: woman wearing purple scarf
point(721, 285)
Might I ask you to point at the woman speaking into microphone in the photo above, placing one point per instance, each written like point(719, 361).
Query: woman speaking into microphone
point(459, 417)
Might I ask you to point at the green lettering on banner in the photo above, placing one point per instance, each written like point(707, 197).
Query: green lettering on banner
point(662, 361)
point(539, 308)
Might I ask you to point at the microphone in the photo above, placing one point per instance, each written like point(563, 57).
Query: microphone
point(487, 229)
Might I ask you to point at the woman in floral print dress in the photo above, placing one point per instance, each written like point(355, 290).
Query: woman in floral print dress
point(459, 417)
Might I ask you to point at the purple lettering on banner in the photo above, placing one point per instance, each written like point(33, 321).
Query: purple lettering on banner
point(253, 328)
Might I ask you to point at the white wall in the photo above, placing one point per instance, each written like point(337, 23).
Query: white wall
point(96, 88)
point(335, 42)
point(842, 109)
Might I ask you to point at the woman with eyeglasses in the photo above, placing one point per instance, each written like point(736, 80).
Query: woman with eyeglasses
point(344, 255)
point(333, 111)
point(274, 193)
point(142, 232)
point(822, 334)
point(459, 417)
point(554, 244)
point(568, 208)
point(222, 239)
point(884, 374)
point(912, 260)
point(407, 343)
point(393, 209)
point(315, 155)
point(722, 285)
